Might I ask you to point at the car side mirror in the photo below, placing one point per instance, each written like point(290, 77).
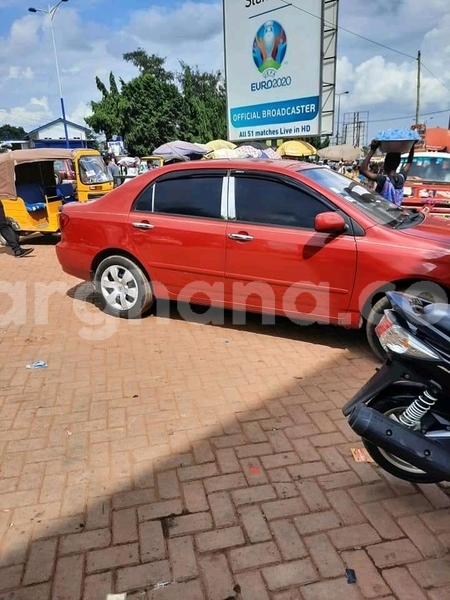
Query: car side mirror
point(330, 222)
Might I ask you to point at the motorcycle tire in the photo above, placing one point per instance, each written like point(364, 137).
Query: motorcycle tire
point(393, 465)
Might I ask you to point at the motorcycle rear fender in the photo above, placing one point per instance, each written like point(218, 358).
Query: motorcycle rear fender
point(390, 375)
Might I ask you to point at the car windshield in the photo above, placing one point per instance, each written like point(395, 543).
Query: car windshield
point(94, 170)
point(430, 169)
point(367, 201)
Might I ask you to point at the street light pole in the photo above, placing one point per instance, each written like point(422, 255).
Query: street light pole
point(51, 13)
point(339, 114)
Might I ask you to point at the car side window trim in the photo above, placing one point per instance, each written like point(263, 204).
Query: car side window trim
point(153, 197)
point(224, 198)
point(231, 198)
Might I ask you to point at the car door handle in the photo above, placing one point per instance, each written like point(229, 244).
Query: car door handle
point(241, 237)
point(143, 225)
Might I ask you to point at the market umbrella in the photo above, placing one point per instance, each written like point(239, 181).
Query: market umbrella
point(248, 151)
point(344, 152)
point(220, 145)
point(180, 148)
point(296, 148)
point(270, 153)
point(223, 153)
point(257, 145)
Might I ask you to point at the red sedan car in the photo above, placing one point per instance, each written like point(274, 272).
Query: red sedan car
point(276, 237)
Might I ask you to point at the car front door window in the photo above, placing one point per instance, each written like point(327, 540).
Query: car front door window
point(267, 201)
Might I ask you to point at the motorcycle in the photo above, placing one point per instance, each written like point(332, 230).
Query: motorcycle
point(402, 413)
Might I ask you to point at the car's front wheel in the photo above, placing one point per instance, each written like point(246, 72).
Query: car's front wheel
point(123, 287)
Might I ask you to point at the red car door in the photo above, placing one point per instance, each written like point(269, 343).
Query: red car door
point(178, 229)
point(276, 261)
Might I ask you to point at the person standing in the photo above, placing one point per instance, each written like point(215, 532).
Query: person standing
point(113, 170)
point(390, 184)
point(9, 235)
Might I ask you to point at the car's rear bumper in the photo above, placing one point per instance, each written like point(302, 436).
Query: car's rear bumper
point(75, 261)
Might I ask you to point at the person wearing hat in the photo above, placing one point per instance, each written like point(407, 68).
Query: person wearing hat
point(389, 184)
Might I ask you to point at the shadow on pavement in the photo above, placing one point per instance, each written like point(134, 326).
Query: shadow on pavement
point(312, 333)
point(206, 492)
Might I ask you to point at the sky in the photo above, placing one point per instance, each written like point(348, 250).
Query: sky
point(93, 35)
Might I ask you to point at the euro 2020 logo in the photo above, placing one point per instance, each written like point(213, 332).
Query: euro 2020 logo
point(269, 48)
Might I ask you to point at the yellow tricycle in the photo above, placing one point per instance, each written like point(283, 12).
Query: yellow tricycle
point(92, 177)
point(29, 193)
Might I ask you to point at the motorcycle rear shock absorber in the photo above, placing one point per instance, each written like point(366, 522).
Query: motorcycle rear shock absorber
point(415, 412)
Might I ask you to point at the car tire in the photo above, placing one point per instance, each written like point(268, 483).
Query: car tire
point(123, 288)
point(379, 307)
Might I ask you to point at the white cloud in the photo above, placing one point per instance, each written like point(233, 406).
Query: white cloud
point(34, 113)
point(79, 113)
point(379, 80)
point(18, 73)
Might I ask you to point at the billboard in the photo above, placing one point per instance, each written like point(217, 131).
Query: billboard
point(274, 68)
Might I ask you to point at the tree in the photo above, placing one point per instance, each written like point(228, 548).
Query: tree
point(204, 105)
point(9, 133)
point(151, 64)
point(153, 113)
point(156, 106)
point(108, 114)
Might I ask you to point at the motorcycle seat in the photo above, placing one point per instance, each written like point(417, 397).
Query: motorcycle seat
point(438, 315)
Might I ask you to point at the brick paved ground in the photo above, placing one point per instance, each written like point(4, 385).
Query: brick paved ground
point(173, 460)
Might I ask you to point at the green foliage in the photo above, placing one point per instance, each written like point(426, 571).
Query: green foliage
point(158, 106)
point(153, 114)
point(149, 63)
point(204, 105)
point(108, 114)
point(9, 133)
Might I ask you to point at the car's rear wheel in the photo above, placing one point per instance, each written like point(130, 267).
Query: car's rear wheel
point(123, 287)
point(433, 294)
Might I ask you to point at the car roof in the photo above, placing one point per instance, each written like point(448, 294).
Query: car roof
point(279, 165)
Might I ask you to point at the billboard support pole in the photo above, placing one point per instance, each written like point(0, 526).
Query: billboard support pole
point(330, 16)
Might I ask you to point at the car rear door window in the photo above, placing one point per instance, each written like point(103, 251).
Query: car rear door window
point(269, 201)
point(189, 195)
